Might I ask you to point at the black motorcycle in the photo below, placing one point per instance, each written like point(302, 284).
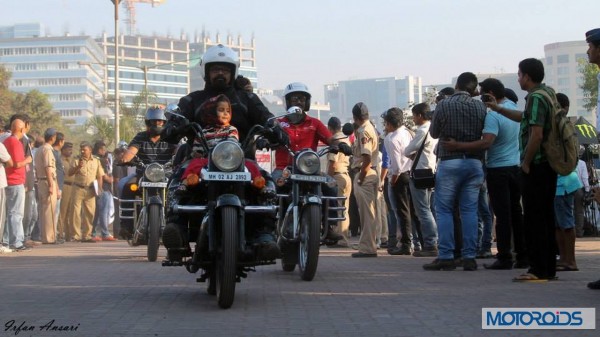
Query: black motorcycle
point(305, 213)
point(147, 210)
point(217, 208)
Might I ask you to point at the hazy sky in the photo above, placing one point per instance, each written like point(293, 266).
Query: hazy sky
point(325, 41)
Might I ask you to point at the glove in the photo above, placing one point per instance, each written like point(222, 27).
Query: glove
point(262, 144)
point(345, 148)
point(277, 135)
point(183, 127)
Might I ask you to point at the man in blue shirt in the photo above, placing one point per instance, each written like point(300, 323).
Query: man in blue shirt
point(501, 140)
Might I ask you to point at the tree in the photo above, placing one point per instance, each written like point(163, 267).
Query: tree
point(6, 96)
point(36, 105)
point(589, 85)
point(102, 130)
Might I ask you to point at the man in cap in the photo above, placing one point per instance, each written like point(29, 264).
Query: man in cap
point(45, 168)
point(365, 153)
point(592, 37)
point(337, 167)
point(66, 202)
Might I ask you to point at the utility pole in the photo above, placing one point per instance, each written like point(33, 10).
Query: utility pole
point(117, 100)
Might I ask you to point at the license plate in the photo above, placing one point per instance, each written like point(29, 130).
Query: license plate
point(151, 184)
point(315, 179)
point(226, 176)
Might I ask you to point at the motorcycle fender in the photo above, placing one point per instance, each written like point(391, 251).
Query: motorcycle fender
point(155, 200)
point(311, 199)
point(229, 200)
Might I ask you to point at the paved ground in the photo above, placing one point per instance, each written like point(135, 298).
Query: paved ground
point(108, 289)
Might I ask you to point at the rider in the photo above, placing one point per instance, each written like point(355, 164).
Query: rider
point(304, 132)
point(219, 67)
point(149, 148)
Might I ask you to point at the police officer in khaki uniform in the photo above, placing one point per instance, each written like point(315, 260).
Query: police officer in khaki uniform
point(337, 167)
point(45, 167)
point(365, 154)
point(66, 204)
point(85, 170)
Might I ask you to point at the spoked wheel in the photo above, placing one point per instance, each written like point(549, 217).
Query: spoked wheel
point(153, 231)
point(310, 241)
point(226, 265)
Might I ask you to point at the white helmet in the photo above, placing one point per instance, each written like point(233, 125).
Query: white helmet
point(297, 87)
point(220, 54)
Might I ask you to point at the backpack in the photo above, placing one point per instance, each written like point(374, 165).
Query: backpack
point(561, 146)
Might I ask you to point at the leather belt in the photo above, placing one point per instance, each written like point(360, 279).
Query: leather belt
point(83, 186)
point(340, 172)
point(67, 183)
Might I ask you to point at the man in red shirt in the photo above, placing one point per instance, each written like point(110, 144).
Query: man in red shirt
point(304, 132)
point(15, 189)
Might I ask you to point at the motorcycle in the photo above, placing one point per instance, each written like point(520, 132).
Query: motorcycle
point(304, 226)
point(223, 197)
point(148, 207)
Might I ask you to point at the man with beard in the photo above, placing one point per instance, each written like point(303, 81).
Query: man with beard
point(219, 67)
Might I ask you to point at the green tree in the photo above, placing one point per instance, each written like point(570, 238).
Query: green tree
point(589, 83)
point(6, 96)
point(102, 129)
point(36, 105)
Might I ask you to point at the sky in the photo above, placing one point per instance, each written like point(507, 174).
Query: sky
point(326, 41)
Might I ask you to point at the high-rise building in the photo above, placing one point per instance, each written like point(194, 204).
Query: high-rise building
point(379, 94)
point(51, 65)
point(158, 63)
point(562, 73)
point(246, 53)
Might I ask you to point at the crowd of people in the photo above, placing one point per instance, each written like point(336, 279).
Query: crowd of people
point(488, 158)
point(48, 195)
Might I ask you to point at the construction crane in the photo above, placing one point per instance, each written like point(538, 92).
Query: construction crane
point(129, 5)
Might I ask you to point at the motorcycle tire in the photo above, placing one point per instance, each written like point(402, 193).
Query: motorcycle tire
point(289, 255)
point(310, 241)
point(226, 268)
point(153, 231)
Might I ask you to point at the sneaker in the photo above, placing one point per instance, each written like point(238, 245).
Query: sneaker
point(96, 238)
point(404, 250)
point(469, 265)
point(440, 264)
point(484, 254)
point(89, 240)
point(5, 250)
point(23, 248)
point(594, 285)
point(426, 253)
point(109, 238)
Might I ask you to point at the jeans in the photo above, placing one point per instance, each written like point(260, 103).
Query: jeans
point(505, 196)
point(539, 188)
point(393, 227)
point(457, 179)
point(31, 229)
point(421, 199)
point(15, 208)
point(486, 221)
point(104, 214)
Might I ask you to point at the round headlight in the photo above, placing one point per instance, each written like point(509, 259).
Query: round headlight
point(154, 172)
point(227, 156)
point(308, 163)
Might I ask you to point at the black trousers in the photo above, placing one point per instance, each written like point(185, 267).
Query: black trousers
point(401, 192)
point(504, 187)
point(539, 189)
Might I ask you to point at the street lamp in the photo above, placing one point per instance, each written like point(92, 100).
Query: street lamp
point(116, 3)
point(145, 68)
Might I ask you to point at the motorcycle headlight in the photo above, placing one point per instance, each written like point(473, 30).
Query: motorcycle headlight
point(308, 163)
point(155, 172)
point(227, 156)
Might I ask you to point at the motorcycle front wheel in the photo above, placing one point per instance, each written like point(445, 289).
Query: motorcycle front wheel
point(310, 241)
point(226, 266)
point(153, 233)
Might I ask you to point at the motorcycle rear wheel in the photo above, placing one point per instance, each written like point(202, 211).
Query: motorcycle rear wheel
point(226, 267)
point(153, 232)
point(310, 241)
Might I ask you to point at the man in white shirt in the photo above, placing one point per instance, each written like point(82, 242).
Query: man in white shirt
point(397, 139)
point(421, 197)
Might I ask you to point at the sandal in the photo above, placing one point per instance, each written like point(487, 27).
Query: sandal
point(566, 268)
point(528, 277)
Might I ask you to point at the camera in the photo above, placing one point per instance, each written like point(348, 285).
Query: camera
point(487, 98)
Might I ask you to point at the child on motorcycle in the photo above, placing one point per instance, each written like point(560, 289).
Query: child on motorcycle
point(216, 118)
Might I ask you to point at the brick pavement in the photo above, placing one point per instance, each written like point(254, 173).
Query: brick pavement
point(109, 289)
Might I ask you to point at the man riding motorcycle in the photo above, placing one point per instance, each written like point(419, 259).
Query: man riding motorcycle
point(148, 147)
point(219, 67)
point(304, 132)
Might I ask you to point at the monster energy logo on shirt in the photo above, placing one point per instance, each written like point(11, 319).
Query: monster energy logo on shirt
point(586, 130)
